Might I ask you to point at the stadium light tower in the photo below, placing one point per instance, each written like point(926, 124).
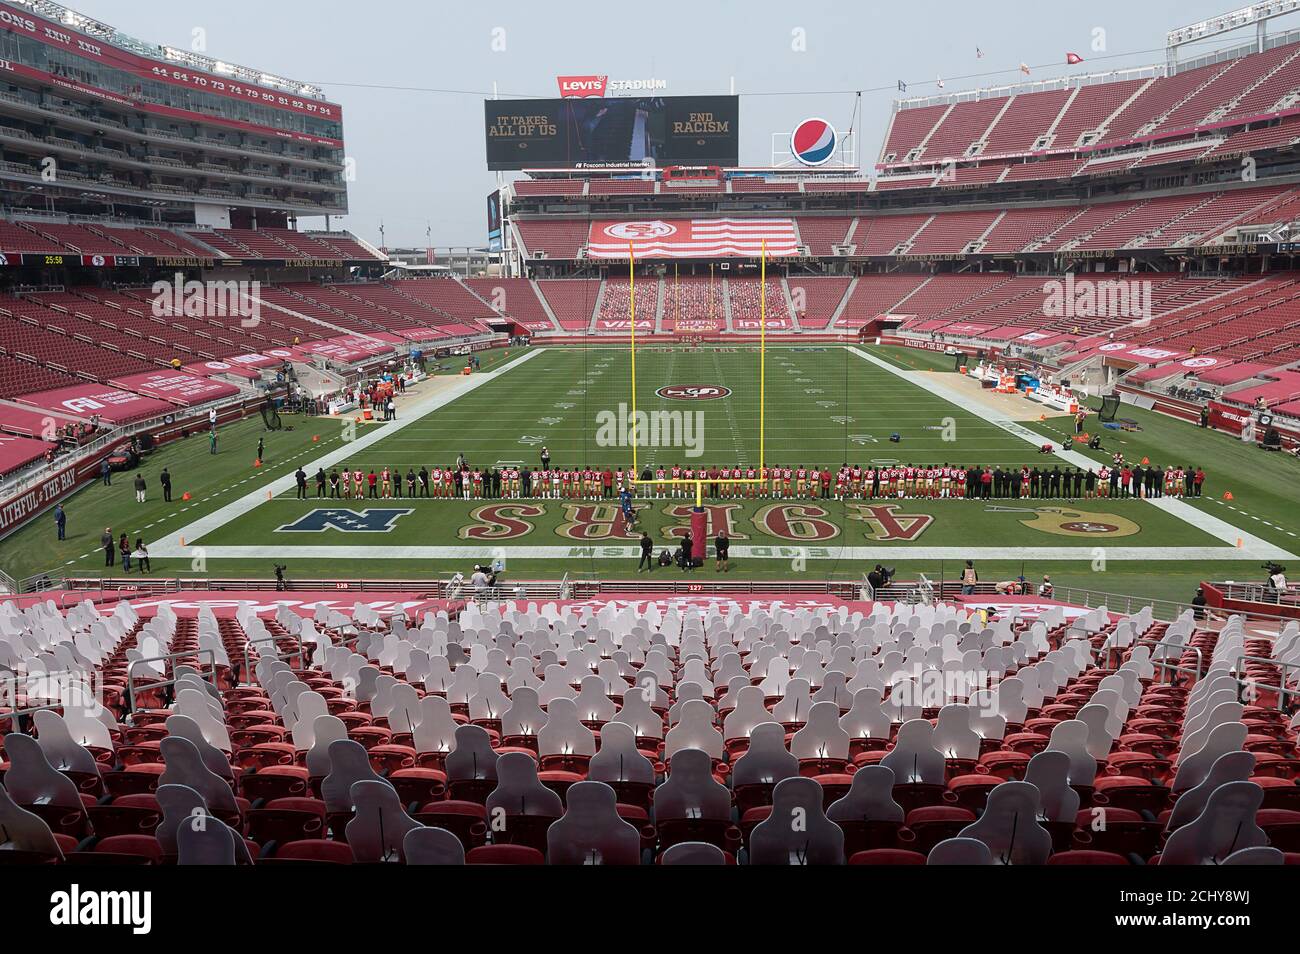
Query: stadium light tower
point(1257, 14)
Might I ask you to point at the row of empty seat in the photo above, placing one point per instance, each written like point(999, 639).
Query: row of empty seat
point(528, 734)
point(1098, 115)
point(1180, 220)
point(39, 236)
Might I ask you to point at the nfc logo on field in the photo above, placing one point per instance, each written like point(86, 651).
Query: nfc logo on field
point(349, 521)
point(693, 392)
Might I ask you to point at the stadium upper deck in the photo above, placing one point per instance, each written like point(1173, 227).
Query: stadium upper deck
point(91, 118)
point(1059, 161)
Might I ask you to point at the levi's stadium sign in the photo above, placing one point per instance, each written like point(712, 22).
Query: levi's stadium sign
point(583, 86)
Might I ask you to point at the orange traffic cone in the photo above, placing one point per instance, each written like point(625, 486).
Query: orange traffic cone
point(1042, 417)
point(185, 496)
point(182, 541)
point(315, 438)
point(257, 462)
point(1145, 461)
point(268, 495)
point(1227, 495)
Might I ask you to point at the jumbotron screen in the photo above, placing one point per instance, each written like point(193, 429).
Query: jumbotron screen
point(560, 133)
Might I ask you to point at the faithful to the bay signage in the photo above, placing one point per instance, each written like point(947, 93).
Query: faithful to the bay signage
point(15, 511)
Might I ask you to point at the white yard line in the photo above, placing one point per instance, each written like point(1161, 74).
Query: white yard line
point(1251, 546)
point(775, 552)
point(170, 546)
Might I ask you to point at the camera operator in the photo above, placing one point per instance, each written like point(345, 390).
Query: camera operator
point(280, 582)
point(879, 577)
point(1275, 588)
point(876, 578)
point(481, 581)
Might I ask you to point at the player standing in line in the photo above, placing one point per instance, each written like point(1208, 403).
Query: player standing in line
point(358, 484)
point(660, 474)
point(386, 483)
point(787, 479)
point(800, 480)
point(677, 475)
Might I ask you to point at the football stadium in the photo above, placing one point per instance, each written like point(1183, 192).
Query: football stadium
point(769, 484)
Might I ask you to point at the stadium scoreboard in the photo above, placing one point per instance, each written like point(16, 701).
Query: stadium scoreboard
point(650, 130)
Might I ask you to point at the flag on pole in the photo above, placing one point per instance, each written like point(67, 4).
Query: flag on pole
point(1024, 68)
point(938, 80)
point(902, 87)
point(1073, 58)
point(979, 54)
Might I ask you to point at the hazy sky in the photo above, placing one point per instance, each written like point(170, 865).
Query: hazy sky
point(419, 154)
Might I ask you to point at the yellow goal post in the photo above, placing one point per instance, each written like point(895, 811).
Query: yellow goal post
point(634, 478)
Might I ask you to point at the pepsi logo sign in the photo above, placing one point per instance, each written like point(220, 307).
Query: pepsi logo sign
point(813, 141)
point(640, 230)
point(693, 392)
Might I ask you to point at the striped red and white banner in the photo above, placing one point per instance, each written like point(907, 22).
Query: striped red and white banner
point(693, 238)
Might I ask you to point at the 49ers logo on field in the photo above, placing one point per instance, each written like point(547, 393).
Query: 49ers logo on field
point(1068, 522)
point(693, 392)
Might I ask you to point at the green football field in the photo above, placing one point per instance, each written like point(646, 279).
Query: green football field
point(824, 405)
